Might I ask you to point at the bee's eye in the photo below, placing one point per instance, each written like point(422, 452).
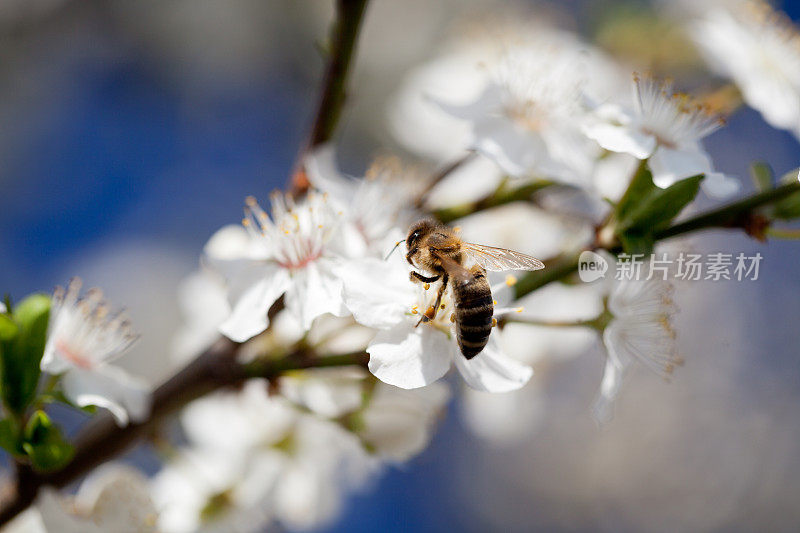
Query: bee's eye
point(414, 236)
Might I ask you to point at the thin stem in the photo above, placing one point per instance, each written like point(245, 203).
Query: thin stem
point(550, 323)
point(554, 270)
point(503, 195)
point(733, 215)
point(790, 234)
point(349, 15)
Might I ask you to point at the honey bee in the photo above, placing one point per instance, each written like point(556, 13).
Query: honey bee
point(438, 250)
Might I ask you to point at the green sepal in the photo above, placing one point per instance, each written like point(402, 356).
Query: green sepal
point(44, 444)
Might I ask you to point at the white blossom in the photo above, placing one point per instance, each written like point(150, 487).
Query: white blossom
point(380, 295)
point(82, 340)
point(113, 498)
point(371, 208)
point(286, 254)
point(527, 118)
point(666, 128)
point(256, 452)
point(396, 424)
point(640, 329)
point(759, 49)
point(204, 306)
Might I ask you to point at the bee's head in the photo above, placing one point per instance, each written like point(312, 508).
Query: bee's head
point(417, 231)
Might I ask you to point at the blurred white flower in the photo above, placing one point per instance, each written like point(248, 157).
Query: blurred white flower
point(640, 329)
point(286, 255)
point(396, 423)
point(260, 452)
point(113, 498)
point(527, 118)
point(82, 339)
point(2, 307)
point(204, 307)
point(666, 128)
point(328, 392)
point(380, 295)
point(373, 207)
point(759, 49)
point(455, 77)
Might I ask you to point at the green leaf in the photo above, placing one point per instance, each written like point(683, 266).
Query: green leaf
point(637, 243)
point(762, 176)
point(22, 354)
point(658, 207)
point(9, 436)
point(640, 186)
point(45, 444)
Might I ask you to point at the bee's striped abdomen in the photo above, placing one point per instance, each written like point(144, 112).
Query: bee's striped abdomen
point(474, 310)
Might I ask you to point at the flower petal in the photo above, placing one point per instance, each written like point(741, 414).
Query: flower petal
point(315, 290)
point(378, 293)
point(109, 387)
point(513, 149)
point(410, 357)
point(249, 316)
point(492, 370)
point(718, 185)
point(621, 138)
point(670, 165)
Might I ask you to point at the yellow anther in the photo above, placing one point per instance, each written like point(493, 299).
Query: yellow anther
point(414, 312)
point(320, 226)
point(494, 302)
point(286, 231)
point(511, 280)
point(452, 317)
point(251, 201)
point(415, 307)
point(494, 322)
point(441, 306)
point(426, 286)
point(245, 222)
point(457, 229)
point(519, 309)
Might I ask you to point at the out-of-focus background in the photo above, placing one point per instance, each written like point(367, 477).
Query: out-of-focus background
point(131, 131)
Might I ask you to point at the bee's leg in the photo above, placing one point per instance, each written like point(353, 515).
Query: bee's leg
point(430, 314)
point(417, 277)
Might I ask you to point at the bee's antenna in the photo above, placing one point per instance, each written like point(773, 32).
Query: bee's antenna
point(398, 243)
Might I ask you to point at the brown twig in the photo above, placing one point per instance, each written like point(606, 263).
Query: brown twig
point(349, 14)
point(101, 439)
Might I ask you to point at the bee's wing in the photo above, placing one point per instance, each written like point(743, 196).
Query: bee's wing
point(499, 259)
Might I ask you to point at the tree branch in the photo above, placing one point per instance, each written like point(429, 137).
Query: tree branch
point(349, 14)
point(735, 215)
point(101, 439)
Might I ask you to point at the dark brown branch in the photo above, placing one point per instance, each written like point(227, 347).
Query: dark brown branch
point(101, 439)
point(349, 14)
